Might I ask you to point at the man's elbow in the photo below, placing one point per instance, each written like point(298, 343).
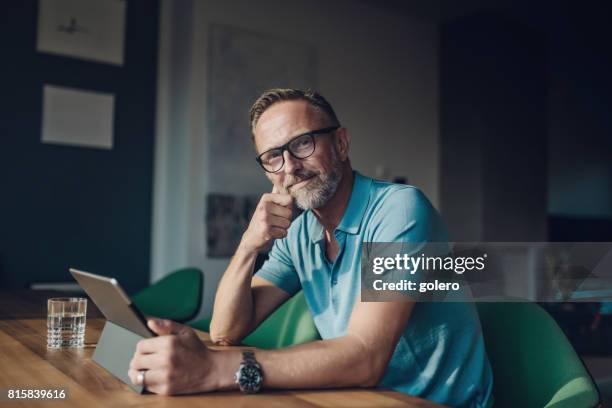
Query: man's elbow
point(372, 365)
point(220, 337)
point(374, 372)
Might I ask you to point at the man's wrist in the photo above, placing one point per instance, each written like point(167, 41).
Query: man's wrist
point(246, 251)
point(225, 365)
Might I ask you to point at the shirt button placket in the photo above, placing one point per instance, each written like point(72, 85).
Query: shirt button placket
point(335, 266)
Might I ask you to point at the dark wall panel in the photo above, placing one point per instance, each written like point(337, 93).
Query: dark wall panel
point(67, 206)
point(493, 130)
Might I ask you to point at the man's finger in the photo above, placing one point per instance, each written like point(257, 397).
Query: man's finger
point(279, 189)
point(146, 361)
point(281, 199)
point(154, 379)
point(278, 233)
point(152, 345)
point(279, 211)
point(279, 222)
point(164, 327)
point(133, 374)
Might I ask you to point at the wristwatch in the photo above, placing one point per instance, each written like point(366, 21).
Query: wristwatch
point(249, 376)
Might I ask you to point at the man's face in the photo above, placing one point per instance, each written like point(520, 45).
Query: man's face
point(311, 181)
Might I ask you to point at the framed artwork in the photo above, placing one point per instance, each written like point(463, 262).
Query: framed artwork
point(85, 29)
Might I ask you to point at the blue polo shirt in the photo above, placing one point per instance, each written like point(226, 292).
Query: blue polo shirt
point(440, 356)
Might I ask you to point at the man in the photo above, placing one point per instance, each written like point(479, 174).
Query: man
point(431, 350)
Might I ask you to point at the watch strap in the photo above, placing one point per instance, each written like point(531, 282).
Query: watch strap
point(248, 357)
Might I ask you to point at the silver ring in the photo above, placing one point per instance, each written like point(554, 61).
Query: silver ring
point(141, 378)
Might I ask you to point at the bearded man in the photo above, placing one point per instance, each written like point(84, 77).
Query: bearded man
point(432, 350)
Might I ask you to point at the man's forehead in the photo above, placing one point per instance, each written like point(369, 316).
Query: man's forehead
point(284, 120)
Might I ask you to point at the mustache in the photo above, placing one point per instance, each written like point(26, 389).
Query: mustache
point(298, 176)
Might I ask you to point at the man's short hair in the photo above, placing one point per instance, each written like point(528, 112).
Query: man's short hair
point(272, 96)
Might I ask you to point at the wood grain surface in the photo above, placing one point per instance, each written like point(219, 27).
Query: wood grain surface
point(26, 363)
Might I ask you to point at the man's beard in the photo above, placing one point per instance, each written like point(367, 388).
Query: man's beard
point(319, 190)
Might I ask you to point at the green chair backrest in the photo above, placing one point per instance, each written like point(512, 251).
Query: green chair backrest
point(288, 325)
point(534, 365)
point(176, 296)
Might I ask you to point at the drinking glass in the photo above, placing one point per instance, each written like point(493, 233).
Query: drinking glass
point(66, 322)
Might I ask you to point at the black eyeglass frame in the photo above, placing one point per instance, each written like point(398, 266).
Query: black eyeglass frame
point(284, 147)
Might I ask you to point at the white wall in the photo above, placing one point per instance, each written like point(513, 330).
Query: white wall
point(379, 70)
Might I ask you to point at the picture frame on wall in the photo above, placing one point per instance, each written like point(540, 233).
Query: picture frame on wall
point(92, 30)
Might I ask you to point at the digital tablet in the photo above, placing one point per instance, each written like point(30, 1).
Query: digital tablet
point(113, 302)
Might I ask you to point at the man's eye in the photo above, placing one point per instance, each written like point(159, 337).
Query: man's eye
point(301, 143)
point(270, 156)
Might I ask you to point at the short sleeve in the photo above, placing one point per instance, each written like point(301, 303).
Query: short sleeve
point(279, 268)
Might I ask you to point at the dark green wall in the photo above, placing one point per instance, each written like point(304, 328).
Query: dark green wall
point(66, 206)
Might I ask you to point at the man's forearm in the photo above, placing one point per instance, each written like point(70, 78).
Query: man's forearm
point(342, 362)
point(233, 308)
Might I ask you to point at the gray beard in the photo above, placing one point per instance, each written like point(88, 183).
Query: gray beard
point(320, 190)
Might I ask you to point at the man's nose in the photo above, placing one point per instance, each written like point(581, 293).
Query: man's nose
point(291, 163)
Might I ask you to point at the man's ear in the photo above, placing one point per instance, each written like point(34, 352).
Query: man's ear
point(343, 141)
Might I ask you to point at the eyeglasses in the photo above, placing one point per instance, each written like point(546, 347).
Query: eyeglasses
point(300, 147)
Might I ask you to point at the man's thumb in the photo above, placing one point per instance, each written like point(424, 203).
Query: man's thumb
point(164, 327)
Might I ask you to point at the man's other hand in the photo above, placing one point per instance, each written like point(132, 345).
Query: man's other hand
point(176, 362)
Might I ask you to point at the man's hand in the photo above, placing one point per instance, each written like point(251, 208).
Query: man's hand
point(176, 362)
point(270, 221)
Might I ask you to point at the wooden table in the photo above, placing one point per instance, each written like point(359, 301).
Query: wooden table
point(25, 363)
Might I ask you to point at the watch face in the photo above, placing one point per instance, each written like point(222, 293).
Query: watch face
point(250, 378)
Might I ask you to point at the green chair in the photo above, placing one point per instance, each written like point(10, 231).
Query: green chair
point(176, 296)
point(534, 365)
point(290, 324)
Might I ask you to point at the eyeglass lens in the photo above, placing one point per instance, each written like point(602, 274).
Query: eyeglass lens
point(300, 148)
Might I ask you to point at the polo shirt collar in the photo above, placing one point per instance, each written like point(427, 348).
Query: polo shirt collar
point(354, 212)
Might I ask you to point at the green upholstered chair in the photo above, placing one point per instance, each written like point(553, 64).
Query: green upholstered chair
point(176, 296)
point(290, 324)
point(534, 365)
